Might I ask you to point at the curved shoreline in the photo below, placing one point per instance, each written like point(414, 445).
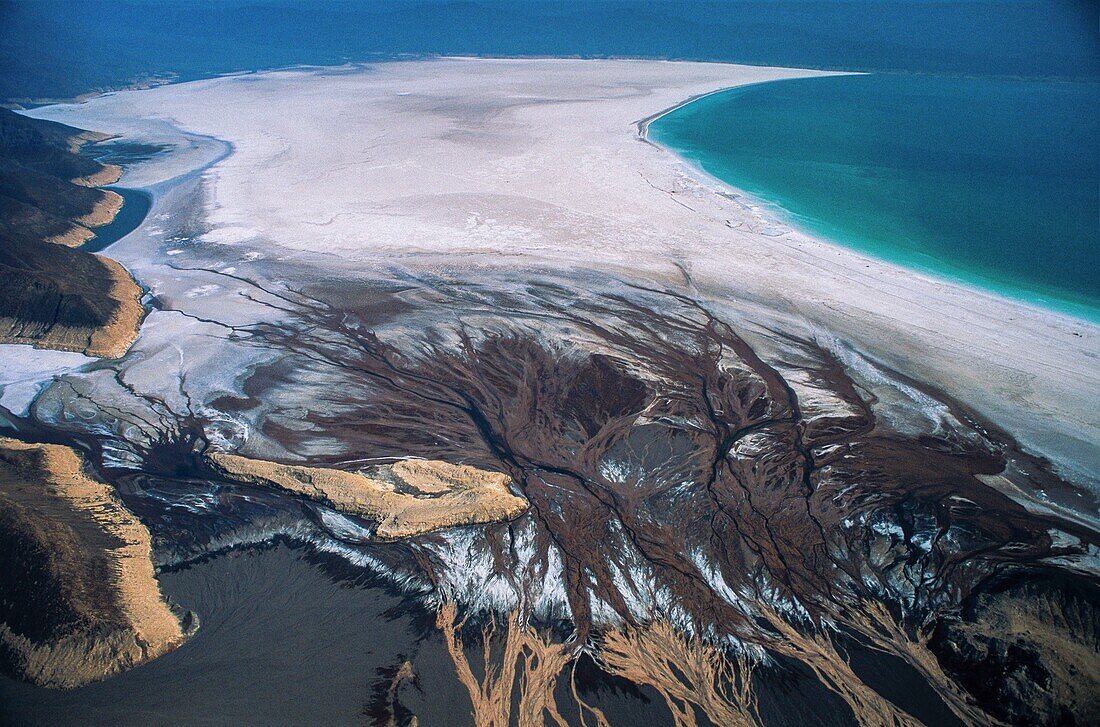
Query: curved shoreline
point(766, 210)
point(774, 213)
point(643, 124)
point(125, 221)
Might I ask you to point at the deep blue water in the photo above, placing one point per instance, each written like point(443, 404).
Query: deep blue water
point(951, 163)
point(62, 48)
point(992, 181)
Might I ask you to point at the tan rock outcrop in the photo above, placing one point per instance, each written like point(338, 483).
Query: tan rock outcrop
point(73, 236)
point(405, 498)
point(103, 211)
point(93, 308)
point(109, 174)
point(113, 338)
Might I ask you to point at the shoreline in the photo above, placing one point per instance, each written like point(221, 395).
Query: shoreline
point(774, 213)
point(767, 210)
point(105, 235)
point(643, 124)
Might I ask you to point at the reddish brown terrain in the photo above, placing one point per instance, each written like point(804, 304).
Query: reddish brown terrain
point(706, 507)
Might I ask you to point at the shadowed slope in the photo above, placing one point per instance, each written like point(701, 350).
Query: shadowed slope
point(78, 598)
point(55, 297)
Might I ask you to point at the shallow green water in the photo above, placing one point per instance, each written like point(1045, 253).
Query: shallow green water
point(994, 182)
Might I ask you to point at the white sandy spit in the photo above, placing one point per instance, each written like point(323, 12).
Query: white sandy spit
point(453, 165)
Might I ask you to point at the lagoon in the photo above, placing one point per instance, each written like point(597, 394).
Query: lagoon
point(988, 181)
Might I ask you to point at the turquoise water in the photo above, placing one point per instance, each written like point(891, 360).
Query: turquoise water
point(944, 164)
point(991, 181)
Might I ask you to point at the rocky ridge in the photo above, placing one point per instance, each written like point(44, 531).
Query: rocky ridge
point(79, 600)
point(403, 499)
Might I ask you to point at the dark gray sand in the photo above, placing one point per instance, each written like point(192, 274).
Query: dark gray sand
point(289, 638)
point(281, 641)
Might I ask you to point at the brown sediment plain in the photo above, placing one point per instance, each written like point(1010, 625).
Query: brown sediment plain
point(688, 673)
point(520, 688)
point(55, 298)
point(686, 480)
point(78, 597)
point(406, 498)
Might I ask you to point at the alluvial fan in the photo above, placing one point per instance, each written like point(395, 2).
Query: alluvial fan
point(708, 503)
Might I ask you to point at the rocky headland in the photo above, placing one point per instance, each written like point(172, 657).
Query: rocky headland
point(56, 296)
point(78, 597)
point(403, 499)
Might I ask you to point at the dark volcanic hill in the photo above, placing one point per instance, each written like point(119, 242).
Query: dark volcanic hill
point(56, 296)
